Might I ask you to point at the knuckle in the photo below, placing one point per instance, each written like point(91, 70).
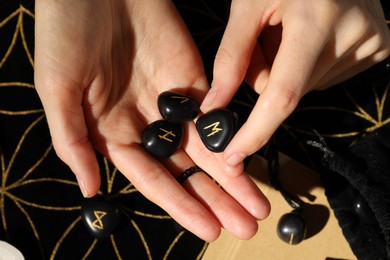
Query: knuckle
point(227, 66)
point(384, 46)
point(152, 176)
point(257, 140)
point(255, 144)
point(223, 57)
point(68, 148)
point(376, 48)
point(285, 100)
point(261, 142)
point(60, 151)
point(258, 144)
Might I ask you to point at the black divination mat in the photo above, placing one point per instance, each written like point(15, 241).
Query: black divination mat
point(40, 201)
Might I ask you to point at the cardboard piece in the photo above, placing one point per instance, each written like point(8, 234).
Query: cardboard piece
point(324, 239)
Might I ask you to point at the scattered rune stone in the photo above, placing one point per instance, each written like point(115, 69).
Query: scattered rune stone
point(292, 228)
point(100, 217)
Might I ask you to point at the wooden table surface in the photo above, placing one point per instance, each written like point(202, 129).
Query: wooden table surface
point(324, 236)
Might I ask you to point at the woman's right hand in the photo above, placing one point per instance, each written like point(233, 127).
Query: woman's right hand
point(304, 45)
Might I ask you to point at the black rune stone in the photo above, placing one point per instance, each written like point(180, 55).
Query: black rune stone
point(177, 107)
point(217, 128)
point(363, 210)
point(292, 228)
point(100, 217)
point(162, 138)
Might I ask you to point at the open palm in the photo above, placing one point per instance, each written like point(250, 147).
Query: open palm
point(99, 68)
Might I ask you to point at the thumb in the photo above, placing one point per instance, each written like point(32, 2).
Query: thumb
point(234, 53)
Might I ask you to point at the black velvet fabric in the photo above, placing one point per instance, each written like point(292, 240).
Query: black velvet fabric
point(40, 202)
point(347, 139)
point(362, 175)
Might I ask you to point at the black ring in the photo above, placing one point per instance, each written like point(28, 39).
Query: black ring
point(187, 173)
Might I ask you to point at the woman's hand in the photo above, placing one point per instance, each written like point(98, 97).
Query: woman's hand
point(99, 68)
point(303, 45)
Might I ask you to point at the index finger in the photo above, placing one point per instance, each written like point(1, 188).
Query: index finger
point(291, 71)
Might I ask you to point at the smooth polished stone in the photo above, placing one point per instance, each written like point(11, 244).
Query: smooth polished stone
point(100, 217)
point(177, 107)
point(363, 210)
point(292, 228)
point(217, 128)
point(162, 138)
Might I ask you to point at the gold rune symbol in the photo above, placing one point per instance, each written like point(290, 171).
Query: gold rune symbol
point(184, 99)
point(291, 239)
point(165, 136)
point(98, 221)
point(215, 129)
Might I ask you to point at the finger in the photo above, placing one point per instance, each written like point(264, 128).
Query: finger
point(234, 53)
point(153, 180)
point(232, 216)
point(348, 54)
point(258, 71)
point(263, 57)
point(68, 131)
point(352, 64)
point(288, 80)
point(247, 195)
point(62, 98)
point(337, 75)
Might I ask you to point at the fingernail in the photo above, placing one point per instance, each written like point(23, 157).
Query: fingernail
point(235, 159)
point(208, 100)
point(82, 187)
